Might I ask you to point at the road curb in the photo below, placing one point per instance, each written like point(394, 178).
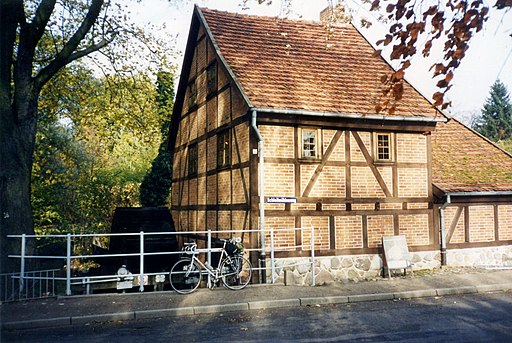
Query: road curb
point(264, 304)
point(168, 312)
point(370, 297)
point(253, 305)
point(323, 300)
point(457, 290)
point(38, 323)
point(415, 294)
point(221, 308)
point(106, 317)
point(494, 288)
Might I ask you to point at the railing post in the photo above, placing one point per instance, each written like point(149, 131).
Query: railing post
point(272, 264)
point(68, 264)
point(209, 255)
point(312, 256)
point(141, 269)
point(22, 262)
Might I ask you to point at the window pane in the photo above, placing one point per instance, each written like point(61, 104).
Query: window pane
point(192, 159)
point(223, 149)
point(308, 143)
point(193, 94)
point(211, 75)
point(383, 147)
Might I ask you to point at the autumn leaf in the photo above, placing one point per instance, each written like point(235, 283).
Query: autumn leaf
point(398, 75)
point(449, 76)
point(398, 91)
point(426, 48)
point(438, 98)
point(375, 5)
point(383, 78)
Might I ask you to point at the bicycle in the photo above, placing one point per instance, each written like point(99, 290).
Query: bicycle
point(233, 269)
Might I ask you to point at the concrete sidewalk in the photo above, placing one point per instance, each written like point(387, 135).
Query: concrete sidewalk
point(107, 307)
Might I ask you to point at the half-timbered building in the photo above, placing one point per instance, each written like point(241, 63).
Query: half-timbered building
point(275, 126)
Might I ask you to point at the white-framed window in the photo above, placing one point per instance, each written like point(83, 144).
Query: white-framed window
point(383, 147)
point(310, 143)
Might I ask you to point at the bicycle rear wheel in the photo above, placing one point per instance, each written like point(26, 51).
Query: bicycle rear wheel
point(236, 272)
point(185, 276)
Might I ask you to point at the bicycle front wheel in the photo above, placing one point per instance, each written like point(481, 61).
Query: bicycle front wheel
point(236, 272)
point(185, 276)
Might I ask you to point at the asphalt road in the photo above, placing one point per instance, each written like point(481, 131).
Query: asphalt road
point(467, 318)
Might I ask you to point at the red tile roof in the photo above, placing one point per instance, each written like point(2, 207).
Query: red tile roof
point(463, 161)
point(300, 65)
point(285, 64)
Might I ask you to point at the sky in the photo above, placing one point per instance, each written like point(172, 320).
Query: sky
point(489, 56)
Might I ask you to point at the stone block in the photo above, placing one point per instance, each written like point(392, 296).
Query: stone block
point(293, 278)
point(347, 262)
point(335, 263)
point(303, 267)
point(324, 278)
point(363, 263)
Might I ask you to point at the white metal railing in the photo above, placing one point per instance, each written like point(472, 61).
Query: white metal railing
point(37, 284)
point(23, 276)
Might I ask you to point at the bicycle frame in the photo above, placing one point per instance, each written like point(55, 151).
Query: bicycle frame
point(232, 269)
point(207, 269)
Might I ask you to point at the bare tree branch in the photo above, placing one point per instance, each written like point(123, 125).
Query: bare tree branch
point(63, 57)
point(30, 34)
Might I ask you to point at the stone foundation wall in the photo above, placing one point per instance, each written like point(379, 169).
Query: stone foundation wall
point(297, 271)
point(354, 268)
point(480, 257)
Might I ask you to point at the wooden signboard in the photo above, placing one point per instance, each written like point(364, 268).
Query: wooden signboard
point(396, 253)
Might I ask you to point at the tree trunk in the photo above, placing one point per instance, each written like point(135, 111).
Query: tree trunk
point(19, 93)
point(16, 151)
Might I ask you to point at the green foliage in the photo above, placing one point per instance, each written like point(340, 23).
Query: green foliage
point(495, 121)
point(96, 140)
point(506, 145)
point(155, 187)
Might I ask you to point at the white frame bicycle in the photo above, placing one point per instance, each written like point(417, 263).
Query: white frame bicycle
point(234, 270)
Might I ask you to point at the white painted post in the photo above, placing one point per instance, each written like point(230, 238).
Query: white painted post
point(209, 256)
point(68, 264)
point(272, 265)
point(141, 269)
point(312, 256)
point(22, 262)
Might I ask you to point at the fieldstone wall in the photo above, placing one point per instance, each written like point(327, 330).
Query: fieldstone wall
point(297, 271)
point(354, 268)
point(480, 257)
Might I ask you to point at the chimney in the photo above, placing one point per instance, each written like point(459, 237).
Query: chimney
point(335, 14)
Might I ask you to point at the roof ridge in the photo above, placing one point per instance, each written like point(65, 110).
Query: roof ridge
point(277, 18)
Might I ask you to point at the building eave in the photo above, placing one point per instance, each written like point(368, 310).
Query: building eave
point(380, 117)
